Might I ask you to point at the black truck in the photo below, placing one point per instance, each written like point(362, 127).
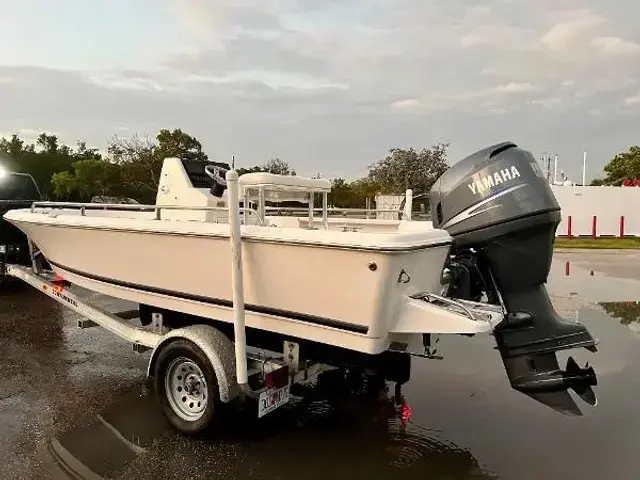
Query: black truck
point(17, 190)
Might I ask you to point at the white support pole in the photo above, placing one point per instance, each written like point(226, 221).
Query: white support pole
point(235, 237)
point(555, 169)
point(584, 168)
point(408, 204)
point(262, 210)
point(325, 207)
point(311, 199)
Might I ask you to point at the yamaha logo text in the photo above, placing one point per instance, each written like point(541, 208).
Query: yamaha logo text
point(486, 183)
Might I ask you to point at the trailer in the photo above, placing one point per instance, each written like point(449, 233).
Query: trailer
point(192, 369)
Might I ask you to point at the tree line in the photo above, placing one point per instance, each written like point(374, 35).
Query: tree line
point(130, 168)
point(623, 169)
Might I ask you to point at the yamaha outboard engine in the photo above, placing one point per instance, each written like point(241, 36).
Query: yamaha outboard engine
point(502, 215)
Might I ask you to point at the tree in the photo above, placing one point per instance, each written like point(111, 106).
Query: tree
point(132, 167)
point(90, 177)
point(83, 152)
point(407, 168)
point(139, 164)
point(623, 167)
point(49, 143)
point(342, 194)
point(12, 147)
point(179, 144)
point(352, 194)
point(279, 167)
point(42, 159)
point(366, 188)
point(64, 185)
point(275, 166)
point(140, 160)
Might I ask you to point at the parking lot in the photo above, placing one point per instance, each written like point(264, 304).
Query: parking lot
point(85, 390)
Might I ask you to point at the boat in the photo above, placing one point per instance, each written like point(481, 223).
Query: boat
point(365, 292)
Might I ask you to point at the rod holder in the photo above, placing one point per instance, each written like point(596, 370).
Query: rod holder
point(235, 238)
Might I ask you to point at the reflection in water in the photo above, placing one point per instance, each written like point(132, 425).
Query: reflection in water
point(360, 435)
point(365, 436)
point(567, 269)
point(626, 312)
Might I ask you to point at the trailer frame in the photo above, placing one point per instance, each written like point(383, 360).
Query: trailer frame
point(270, 374)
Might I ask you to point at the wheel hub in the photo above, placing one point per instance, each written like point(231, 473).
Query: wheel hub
point(192, 384)
point(186, 389)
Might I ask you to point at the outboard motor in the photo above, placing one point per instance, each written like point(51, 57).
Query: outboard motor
point(502, 215)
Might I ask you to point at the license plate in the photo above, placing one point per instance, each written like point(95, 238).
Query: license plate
point(271, 399)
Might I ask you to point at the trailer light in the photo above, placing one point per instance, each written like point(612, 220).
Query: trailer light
point(405, 412)
point(277, 378)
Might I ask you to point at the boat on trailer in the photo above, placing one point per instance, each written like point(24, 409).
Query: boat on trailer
point(214, 276)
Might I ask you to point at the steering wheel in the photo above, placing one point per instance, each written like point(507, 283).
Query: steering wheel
point(216, 174)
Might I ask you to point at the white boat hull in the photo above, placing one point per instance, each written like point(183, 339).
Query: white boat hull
point(344, 294)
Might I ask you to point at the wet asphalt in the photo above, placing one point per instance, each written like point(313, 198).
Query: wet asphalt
point(68, 393)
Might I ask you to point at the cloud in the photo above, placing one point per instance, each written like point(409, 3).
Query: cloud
point(615, 45)
point(407, 103)
point(209, 24)
point(633, 100)
point(497, 98)
point(29, 135)
point(203, 22)
point(549, 103)
point(565, 34)
point(118, 80)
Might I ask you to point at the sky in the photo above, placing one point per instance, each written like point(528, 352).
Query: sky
point(329, 86)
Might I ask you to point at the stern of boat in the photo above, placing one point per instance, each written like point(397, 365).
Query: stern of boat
point(503, 216)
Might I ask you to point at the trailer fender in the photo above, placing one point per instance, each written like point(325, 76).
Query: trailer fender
point(216, 346)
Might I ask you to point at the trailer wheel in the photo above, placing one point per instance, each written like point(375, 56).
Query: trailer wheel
point(186, 386)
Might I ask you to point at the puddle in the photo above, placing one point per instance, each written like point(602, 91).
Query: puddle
point(577, 279)
point(465, 422)
point(63, 387)
point(113, 439)
point(364, 435)
point(628, 313)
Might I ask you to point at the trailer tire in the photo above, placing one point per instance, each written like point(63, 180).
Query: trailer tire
point(186, 386)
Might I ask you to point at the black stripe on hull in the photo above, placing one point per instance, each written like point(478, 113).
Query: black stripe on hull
point(303, 317)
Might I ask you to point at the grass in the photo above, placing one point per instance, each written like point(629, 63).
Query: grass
point(598, 243)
